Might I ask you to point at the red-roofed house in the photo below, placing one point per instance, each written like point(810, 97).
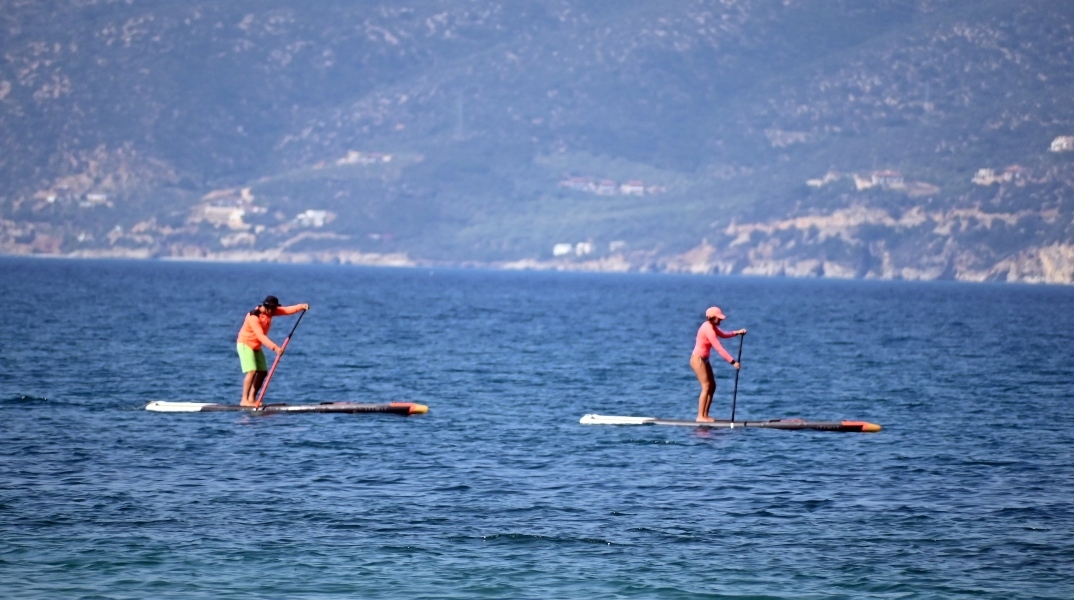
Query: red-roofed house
point(606, 187)
point(887, 178)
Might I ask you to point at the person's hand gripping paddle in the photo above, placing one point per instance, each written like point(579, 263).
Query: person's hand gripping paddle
point(275, 363)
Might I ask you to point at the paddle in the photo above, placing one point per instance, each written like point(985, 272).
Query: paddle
point(264, 388)
point(734, 398)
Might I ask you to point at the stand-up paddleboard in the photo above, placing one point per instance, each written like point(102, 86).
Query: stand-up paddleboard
point(789, 424)
point(398, 408)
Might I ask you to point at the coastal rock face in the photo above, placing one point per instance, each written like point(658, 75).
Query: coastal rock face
point(1051, 264)
point(870, 243)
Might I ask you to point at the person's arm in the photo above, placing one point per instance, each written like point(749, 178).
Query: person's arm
point(726, 335)
point(255, 326)
point(724, 353)
point(714, 341)
point(290, 310)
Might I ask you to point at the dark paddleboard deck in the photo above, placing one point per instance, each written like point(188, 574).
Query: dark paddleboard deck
point(788, 424)
point(399, 408)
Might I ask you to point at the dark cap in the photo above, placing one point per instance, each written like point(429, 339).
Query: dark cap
point(271, 301)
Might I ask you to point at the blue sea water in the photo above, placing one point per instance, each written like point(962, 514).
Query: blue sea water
point(499, 492)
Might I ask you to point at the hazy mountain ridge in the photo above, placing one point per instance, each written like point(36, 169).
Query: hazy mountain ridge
point(485, 110)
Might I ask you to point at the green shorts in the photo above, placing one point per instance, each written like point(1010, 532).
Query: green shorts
point(252, 360)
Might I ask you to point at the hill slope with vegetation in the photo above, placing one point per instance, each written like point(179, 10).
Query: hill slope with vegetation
point(892, 139)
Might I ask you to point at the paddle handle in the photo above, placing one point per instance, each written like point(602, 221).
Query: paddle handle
point(734, 396)
point(275, 363)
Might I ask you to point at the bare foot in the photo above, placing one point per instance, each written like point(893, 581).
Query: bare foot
point(701, 419)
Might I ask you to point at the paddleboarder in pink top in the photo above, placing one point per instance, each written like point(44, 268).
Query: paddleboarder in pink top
point(708, 337)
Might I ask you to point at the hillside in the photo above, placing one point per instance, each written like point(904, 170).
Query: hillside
point(894, 139)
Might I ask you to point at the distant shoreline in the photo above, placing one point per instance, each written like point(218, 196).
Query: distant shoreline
point(611, 265)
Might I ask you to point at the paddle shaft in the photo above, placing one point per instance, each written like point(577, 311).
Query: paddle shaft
point(275, 363)
point(734, 397)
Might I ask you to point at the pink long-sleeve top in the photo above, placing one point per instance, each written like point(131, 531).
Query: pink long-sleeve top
point(708, 338)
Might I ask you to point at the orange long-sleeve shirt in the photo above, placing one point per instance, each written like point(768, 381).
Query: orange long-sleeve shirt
point(254, 331)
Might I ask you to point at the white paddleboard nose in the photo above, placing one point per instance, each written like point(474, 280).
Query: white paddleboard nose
point(165, 406)
point(613, 420)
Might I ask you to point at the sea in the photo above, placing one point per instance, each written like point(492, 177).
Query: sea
point(499, 491)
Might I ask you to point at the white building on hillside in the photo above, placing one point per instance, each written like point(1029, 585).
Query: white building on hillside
point(632, 188)
point(225, 216)
point(985, 177)
point(606, 187)
point(562, 249)
point(1063, 143)
point(314, 218)
point(887, 179)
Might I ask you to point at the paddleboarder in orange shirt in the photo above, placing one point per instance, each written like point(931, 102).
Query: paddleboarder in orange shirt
point(253, 335)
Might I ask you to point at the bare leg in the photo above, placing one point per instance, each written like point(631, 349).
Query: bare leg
point(259, 380)
point(247, 387)
point(251, 385)
point(703, 371)
point(712, 387)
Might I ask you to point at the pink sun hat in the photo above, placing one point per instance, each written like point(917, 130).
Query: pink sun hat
point(714, 312)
